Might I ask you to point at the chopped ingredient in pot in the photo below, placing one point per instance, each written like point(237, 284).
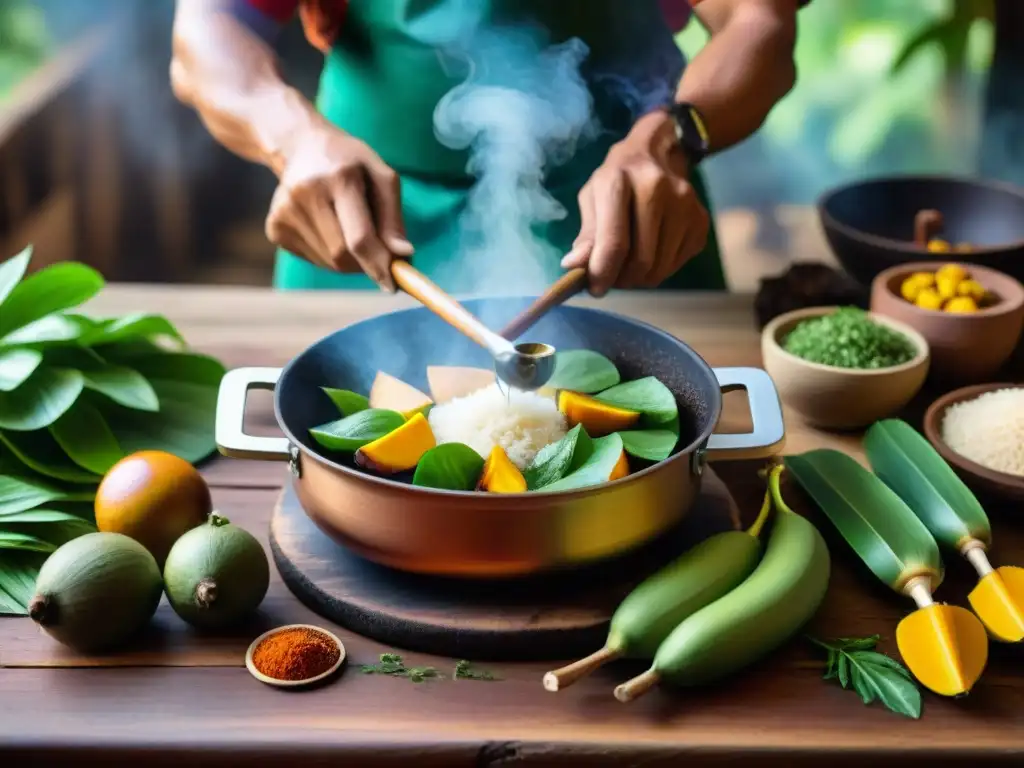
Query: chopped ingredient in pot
point(849, 338)
point(989, 430)
point(950, 289)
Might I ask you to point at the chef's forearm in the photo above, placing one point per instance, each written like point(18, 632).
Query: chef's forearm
point(745, 68)
point(229, 75)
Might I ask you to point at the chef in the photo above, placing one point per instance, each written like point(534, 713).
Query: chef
point(363, 178)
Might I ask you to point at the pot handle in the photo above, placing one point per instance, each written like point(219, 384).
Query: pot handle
point(769, 433)
point(230, 433)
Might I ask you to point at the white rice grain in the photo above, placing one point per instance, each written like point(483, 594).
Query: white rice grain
point(521, 422)
point(989, 430)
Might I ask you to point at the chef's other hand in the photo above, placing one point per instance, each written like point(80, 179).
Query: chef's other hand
point(338, 205)
point(641, 218)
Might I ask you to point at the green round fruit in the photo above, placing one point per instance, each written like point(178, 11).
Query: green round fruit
point(96, 591)
point(216, 575)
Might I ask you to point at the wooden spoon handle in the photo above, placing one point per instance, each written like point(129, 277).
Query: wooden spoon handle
point(417, 285)
point(927, 224)
point(569, 284)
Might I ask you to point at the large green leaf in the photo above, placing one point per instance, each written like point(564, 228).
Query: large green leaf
point(18, 571)
point(353, 432)
point(53, 329)
point(346, 401)
point(136, 326)
point(16, 365)
point(555, 460)
point(44, 397)
point(86, 438)
point(596, 469)
point(451, 466)
point(121, 383)
point(908, 464)
point(51, 289)
point(582, 370)
point(11, 272)
point(649, 444)
point(647, 395)
point(39, 452)
point(41, 515)
point(869, 515)
point(25, 541)
point(18, 494)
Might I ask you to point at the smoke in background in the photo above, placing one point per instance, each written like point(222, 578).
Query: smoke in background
point(522, 109)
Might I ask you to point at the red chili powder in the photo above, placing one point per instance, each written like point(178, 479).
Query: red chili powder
point(295, 654)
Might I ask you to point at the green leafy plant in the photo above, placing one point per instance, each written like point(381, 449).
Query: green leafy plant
point(77, 394)
point(353, 432)
point(583, 370)
point(555, 461)
point(451, 466)
point(392, 665)
point(464, 670)
point(856, 664)
point(597, 467)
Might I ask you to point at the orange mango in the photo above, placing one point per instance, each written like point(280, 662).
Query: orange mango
point(399, 450)
point(598, 419)
point(500, 475)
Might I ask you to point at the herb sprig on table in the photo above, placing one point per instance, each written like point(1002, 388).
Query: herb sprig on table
point(872, 675)
point(77, 394)
point(391, 664)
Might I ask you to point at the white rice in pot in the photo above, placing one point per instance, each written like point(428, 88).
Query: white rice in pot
point(520, 422)
point(989, 430)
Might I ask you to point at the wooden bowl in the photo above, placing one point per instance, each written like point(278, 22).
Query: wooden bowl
point(980, 479)
point(294, 683)
point(965, 349)
point(841, 398)
point(869, 223)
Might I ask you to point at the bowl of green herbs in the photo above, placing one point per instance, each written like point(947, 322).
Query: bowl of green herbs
point(842, 367)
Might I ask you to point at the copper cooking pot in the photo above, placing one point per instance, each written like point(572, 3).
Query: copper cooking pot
point(475, 534)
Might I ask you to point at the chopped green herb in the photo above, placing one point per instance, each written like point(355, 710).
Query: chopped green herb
point(464, 671)
point(392, 664)
point(873, 675)
point(848, 338)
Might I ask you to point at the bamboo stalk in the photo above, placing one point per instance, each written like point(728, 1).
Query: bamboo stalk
point(558, 679)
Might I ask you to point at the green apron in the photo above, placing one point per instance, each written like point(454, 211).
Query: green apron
point(383, 79)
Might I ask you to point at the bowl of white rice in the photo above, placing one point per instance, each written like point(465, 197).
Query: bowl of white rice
point(979, 431)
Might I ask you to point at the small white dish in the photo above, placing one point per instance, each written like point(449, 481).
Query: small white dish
point(294, 683)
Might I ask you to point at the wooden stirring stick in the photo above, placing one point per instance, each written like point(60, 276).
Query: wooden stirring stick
point(569, 284)
point(927, 224)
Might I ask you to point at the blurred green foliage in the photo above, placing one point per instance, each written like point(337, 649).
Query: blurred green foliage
point(24, 42)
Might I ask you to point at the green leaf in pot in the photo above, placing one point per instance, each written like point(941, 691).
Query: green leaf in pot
point(11, 272)
point(649, 444)
point(346, 401)
point(40, 453)
point(647, 395)
point(596, 469)
point(582, 370)
point(86, 438)
point(907, 463)
point(16, 365)
point(555, 461)
point(452, 466)
point(42, 399)
point(873, 520)
point(353, 432)
point(51, 289)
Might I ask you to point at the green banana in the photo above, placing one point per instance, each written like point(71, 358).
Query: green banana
point(769, 607)
point(654, 608)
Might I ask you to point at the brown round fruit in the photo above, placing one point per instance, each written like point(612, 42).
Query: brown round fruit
point(154, 497)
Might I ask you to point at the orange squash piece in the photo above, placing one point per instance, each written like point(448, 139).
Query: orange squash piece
point(599, 419)
point(400, 449)
point(450, 381)
point(500, 475)
point(621, 468)
point(395, 395)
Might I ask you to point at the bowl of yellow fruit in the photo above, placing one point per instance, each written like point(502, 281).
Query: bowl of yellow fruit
point(971, 316)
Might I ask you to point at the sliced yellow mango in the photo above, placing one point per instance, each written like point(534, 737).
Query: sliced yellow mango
point(500, 475)
point(399, 450)
point(450, 381)
point(999, 602)
point(945, 647)
point(621, 468)
point(598, 419)
point(395, 395)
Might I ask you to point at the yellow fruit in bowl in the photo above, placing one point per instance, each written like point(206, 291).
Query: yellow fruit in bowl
point(928, 299)
point(913, 284)
point(937, 245)
point(952, 272)
point(945, 287)
point(961, 305)
point(971, 288)
point(154, 497)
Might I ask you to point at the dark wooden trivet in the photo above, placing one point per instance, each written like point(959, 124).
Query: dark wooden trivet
point(552, 616)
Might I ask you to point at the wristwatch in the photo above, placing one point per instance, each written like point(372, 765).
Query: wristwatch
point(691, 132)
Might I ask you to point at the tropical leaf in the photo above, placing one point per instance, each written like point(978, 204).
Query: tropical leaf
point(16, 365)
point(38, 452)
point(18, 494)
point(18, 571)
point(86, 438)
point(582, 370)
point(11, 272)
point(44, 397)
point(596, 469)
point(52, 289)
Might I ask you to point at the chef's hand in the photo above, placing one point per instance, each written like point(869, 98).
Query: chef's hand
point(641, 218)
point(338, 205)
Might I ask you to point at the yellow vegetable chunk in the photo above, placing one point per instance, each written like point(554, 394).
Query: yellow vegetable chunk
point(961, 305)
point(945, 287)
point(395, 395)
point(599, 419)
point(500, 475)
point(971, 288)
point(945, 647)
point(621, 468)
point(929, 299)
point(954, 272)
point(400, 449)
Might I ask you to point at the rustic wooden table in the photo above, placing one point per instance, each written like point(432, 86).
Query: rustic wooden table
point(184, 697)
